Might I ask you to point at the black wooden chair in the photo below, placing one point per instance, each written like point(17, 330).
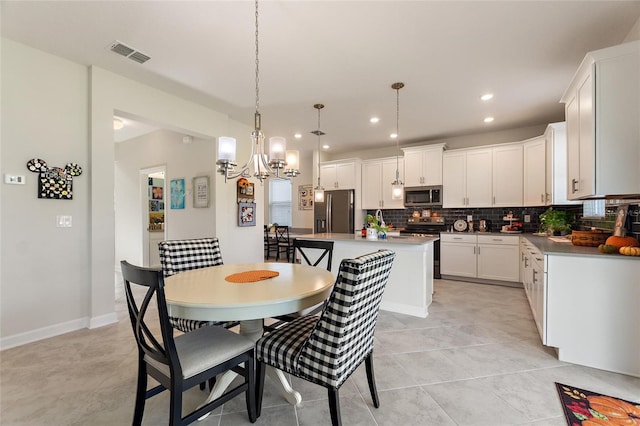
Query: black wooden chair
point(270, 244)
point(284, 243)
point(326, 350)
point(313, 253)
point(179, 363)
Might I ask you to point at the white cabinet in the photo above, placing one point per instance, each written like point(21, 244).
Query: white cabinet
point(423, 165)
point(340, 174)
point(555, 137)
point(377, 176)
point(535, 285)
point(602, 107)
point(498, 257)
point(458, 255)
point(507, 175)
point(534, 172)
point(492, 257)
point(467, 178)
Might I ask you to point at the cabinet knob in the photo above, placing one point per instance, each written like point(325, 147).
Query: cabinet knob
point(574, 183)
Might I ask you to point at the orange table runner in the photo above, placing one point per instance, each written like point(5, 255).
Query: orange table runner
point(251, 276)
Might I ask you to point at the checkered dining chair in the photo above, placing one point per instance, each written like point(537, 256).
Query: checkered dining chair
point(325, 350)
point(183, 255)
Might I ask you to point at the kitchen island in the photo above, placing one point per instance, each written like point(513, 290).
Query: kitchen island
point(587, 305)
point(410, 287)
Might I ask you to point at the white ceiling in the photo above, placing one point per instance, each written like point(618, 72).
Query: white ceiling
point(345, 54)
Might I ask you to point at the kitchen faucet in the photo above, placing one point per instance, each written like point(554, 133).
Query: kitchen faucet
point(379, 218)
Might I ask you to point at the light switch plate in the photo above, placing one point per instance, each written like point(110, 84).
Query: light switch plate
point(14, 179)
point(63, 221)
point(469, 217)
point(527, 218)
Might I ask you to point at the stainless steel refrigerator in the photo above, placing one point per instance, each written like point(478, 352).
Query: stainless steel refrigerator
point(335, 214)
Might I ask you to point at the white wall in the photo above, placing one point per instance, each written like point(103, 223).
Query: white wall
point(60, 279)
point(44, 272)
point(163, 147)
point(634, 34)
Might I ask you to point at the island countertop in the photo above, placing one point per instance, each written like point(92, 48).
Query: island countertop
point(401, 240)
point(547, 246)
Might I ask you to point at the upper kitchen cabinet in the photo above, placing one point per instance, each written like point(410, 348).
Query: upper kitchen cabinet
point(340, 174)
point(534, 175)
point(423, 165)
point(602, 107)
point(466, 178)
point(377, 176)
point(555, 137)
point(507, 171)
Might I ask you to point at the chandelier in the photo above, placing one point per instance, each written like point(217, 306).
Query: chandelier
point(397, 185)
point(259, 165)
point(318, 191)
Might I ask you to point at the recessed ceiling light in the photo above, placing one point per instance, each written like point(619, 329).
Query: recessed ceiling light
point(393, 135)
point(374, 120)
point(297, 136)
point(325, 146)
point(488, 120)
point(486, 96)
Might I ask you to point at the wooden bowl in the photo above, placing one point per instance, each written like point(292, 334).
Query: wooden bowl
point(589, 238)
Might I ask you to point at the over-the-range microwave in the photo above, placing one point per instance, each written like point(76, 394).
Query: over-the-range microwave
point(423, 196)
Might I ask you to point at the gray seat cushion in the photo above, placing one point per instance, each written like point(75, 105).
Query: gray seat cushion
point(204, 348)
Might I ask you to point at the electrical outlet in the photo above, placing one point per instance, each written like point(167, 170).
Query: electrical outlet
point(527, 218)
point(469, 218)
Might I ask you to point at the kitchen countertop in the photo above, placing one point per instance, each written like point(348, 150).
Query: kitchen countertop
point(547, 246)
point(403, 239)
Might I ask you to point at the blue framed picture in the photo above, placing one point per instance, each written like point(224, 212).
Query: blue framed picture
point(177, 193)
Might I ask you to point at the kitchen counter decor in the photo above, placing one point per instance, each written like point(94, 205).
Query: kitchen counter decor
point(592, 238)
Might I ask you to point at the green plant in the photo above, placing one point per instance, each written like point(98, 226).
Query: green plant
point(372, 222)
point(556, 221)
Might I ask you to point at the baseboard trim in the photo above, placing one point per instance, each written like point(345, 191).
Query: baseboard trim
point(43, 333)
point(56, 330)
point(103, 320)
point(405, 309)
point(483, 281)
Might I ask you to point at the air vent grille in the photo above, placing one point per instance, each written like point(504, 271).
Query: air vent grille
point(128, 52)
point(139, 57)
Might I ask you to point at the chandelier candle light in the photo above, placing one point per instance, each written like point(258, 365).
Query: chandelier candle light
point(259, 164)
point(318, 190)
point(397, 185)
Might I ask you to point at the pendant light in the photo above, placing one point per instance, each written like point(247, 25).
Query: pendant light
point(318, 191)
point(397, 186)
point(259, 164)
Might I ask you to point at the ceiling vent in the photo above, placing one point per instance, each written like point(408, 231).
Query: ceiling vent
point(129, 52)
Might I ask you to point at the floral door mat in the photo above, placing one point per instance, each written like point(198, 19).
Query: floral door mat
point(251, 276)
point(586, 408)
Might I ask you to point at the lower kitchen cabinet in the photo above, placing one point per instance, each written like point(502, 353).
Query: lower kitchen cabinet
point(535, 286)
point(490, 257)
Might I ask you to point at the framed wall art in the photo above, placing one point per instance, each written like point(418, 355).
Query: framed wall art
point(201, 191)
point(305, 197)
point(246, 214)
point(177, 193)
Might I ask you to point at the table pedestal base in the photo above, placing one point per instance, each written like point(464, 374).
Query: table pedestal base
point(253, 329)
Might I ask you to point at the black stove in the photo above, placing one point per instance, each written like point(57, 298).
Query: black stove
point(427, 227)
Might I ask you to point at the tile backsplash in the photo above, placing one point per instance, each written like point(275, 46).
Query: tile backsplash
point(495, 217)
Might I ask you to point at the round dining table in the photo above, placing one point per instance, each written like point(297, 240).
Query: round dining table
point(209, 294)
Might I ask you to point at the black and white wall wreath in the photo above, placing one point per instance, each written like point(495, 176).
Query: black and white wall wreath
point(54, 183)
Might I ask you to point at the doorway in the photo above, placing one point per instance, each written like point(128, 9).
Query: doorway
point(154, 220)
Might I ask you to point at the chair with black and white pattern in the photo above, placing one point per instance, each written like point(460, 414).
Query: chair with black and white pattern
point(184, 255)
point(325, 350)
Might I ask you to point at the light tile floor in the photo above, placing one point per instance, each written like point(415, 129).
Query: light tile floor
point(476, 360)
